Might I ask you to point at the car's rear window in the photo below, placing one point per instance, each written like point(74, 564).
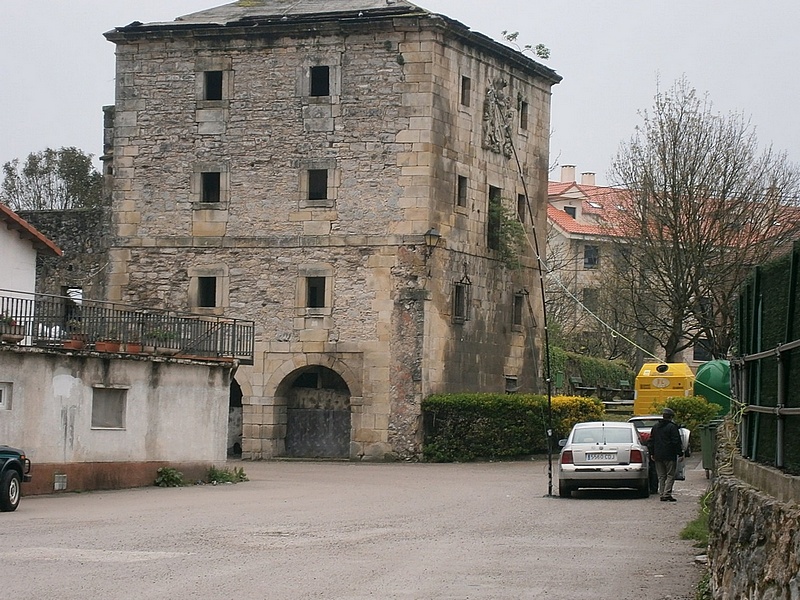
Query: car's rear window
point(603, 435)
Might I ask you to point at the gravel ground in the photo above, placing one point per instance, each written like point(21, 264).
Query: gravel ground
point(340, 530)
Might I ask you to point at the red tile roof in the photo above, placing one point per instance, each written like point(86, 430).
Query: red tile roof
point(570, 225)
point(600, 204)
point(27, 231)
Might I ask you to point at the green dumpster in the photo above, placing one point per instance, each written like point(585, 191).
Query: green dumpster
point(708, 444)
point(713, 382)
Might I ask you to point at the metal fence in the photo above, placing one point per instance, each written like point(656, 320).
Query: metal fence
point(766, 374)
point(89, 325)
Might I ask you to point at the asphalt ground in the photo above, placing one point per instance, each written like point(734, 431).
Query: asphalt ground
point(353, 531)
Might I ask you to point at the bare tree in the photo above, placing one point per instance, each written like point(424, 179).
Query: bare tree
point(704, 205)
point(51, 180)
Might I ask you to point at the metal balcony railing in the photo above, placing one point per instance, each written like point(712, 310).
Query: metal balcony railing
point(77, 324)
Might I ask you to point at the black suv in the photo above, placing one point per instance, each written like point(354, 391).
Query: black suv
point(15, 468)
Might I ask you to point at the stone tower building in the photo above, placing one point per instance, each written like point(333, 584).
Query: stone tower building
point(282, 161)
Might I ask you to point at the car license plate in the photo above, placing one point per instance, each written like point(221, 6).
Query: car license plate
point(601, 455)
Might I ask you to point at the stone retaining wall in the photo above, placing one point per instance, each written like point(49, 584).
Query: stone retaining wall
point(754, 543)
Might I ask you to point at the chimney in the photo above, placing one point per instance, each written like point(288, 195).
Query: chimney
point(567, 173)
point(587, 178)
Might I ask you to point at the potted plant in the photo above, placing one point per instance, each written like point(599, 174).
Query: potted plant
point(109, 343)
point(161, 341)
point(133, 345)
point(10, 331)
point(77, 338)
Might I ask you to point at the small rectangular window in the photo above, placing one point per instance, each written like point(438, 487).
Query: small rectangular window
point(5, 396)
point(466, 90)
point(591, 257)
point(212, 90)
point(461, 191)
point(460, 303)
point(320, 81)
point(317, 184)
point(591, 298)
point(512, 385)
point(523, 115)
point(571, 211)
point(206, 292)
point(494, 218)
point(522, 208)
point(702, 351)
point(315, 295)
point(211, 187)
point(519, 302)
point(108, 408)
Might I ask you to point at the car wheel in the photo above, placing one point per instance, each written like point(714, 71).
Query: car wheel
point(564, 490)
point(644, 490)
point(9, 491)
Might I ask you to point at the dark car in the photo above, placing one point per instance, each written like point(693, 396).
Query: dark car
point(15, 468)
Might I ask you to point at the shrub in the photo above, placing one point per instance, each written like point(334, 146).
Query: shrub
point(593, 371)
point(226, 475)
point(465, 427)
point(169, 477)
point(691, 412)
point(568, 410)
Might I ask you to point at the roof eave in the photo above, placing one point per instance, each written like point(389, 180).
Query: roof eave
point(27, 231)
point(254, 25)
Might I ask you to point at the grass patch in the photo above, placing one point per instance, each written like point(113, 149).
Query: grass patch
point(704, 587)
point(170, 477)
point(226, 475)
point(697, 529)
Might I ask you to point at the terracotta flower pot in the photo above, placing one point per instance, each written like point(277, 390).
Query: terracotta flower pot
point(106, 346)
point(73, 344)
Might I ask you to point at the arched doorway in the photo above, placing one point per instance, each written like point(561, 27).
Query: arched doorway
point(235, 421)
point(317, 414)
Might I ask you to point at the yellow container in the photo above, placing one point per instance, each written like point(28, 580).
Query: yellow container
point(657, 382)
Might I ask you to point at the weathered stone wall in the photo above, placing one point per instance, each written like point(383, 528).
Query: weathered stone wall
point(84, 236)
point(754, 543)
point(393, 136)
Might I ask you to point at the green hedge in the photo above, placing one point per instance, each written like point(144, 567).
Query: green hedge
point(465, 427)
point(593, 371)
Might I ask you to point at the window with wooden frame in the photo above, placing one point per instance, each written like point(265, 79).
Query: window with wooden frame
point(461, 301)
point(109, 407)
point(591, 257)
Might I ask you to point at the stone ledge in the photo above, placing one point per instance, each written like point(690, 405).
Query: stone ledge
point(771, 481)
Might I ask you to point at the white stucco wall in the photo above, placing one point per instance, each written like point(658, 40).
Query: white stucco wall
point(17, 262)
point(174, 411)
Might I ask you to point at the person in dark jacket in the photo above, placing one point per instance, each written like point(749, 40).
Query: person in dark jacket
point(665, 446)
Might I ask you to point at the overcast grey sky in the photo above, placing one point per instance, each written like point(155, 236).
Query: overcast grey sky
point(57, 69)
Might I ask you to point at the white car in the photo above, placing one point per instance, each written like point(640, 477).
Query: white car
point(645, 423)
point(603, 454)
